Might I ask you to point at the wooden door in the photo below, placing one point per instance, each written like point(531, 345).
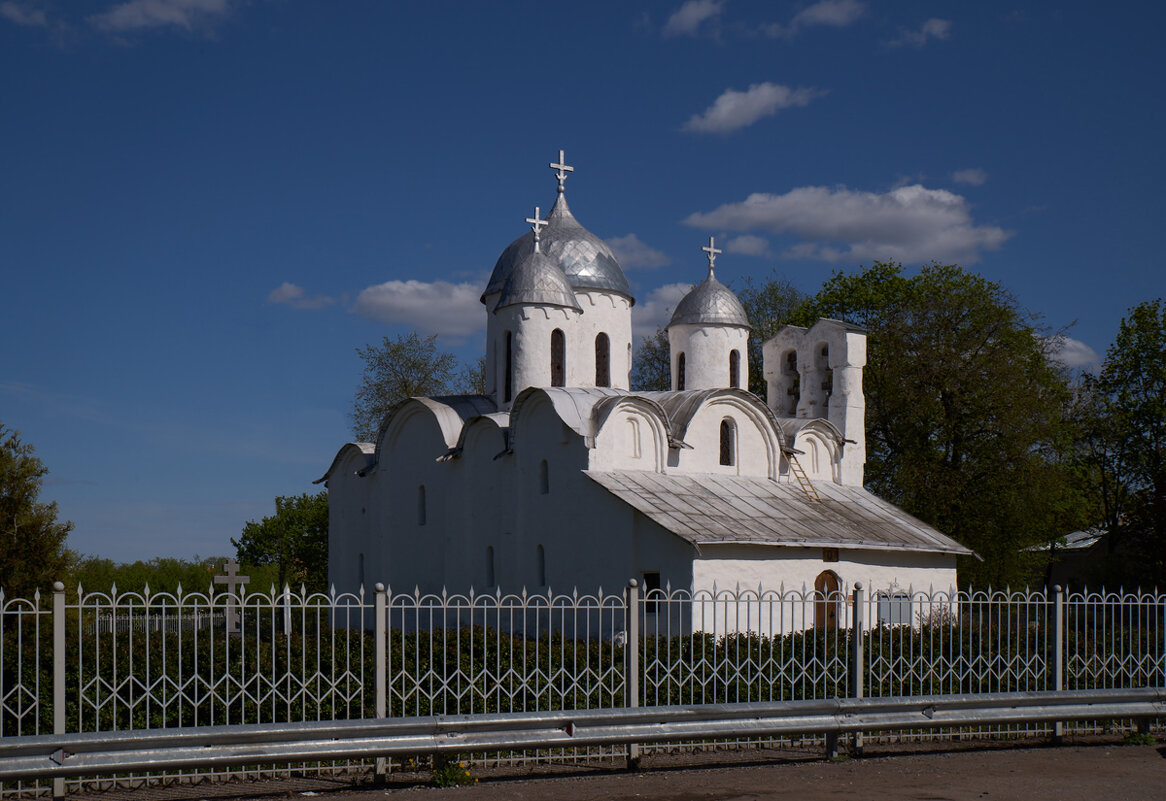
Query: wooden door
point(826, 601)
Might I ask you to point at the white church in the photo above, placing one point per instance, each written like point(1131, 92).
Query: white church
point(562, 476)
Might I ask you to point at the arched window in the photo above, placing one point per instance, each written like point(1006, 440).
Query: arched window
point(735, 369)
point(558, 359)
point(421, 505)
point(542, 567)
point(728, 442)
point(509, 370)
point(602, 361)
point(680, 371)
point(544, 478)
point(490, 566)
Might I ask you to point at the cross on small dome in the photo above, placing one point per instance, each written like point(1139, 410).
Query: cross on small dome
point(561, 169)
point(712, 252)
point(536, 225)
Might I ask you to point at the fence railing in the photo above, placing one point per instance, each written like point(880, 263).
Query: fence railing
point(89, 662)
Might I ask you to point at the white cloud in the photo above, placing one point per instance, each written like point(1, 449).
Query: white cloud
point(291, 295)
point(835, 13)
point(974, 176)
point(23, 14)
point(832, 13)
point(933, 28)
point(656, 310)
point(439, 307)
point(686, 20)
point(749, 245)
point(910, 224)
point(734, 110)
point(634, 254)
point(138, 14)
point(1075, 353)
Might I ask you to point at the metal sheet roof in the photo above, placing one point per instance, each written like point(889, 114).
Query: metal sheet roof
point(711, 509)
point(710, 303)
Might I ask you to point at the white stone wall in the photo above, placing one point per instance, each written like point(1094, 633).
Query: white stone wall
point(795, 570)
point(756, 451)
point(706, 350)
point(603, 312)
point(530, 328)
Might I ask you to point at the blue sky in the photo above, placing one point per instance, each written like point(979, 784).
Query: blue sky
point(206, 206)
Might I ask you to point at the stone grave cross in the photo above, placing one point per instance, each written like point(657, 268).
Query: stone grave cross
point(234, 582)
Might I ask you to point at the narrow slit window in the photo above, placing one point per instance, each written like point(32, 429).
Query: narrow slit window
point(490, 566)
point(509, 369)
point(602, 361)
point(735, 369)
point(421, 516)
point(728, 442)
point(558, 359)
point(680, 371)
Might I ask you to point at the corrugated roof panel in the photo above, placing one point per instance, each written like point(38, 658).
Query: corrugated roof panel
point(708, 509)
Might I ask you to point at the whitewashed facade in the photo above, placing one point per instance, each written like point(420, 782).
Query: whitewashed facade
point(561, 476)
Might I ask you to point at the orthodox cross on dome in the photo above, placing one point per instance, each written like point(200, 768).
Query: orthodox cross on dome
point(561, 169)
point(712, 252)
point(536, 225)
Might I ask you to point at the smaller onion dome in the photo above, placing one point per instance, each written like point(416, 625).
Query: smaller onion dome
point(710, 302)
point(537, 280)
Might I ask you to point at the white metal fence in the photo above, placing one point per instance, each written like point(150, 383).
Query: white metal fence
point(82, 662)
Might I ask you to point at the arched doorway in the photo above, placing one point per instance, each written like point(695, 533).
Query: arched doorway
point(827, 600)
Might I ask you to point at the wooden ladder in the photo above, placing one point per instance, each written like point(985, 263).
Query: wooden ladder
point(803, 480)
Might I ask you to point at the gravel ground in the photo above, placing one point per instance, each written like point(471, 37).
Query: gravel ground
point(1104, 771)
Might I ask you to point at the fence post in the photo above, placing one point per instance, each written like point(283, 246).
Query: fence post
point(632, 663)
point(381, 678)
point(58, 673)
point(1058, 652)
point(856, 656)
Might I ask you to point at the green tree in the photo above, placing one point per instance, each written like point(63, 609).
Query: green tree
point(770, 305)
point(32, 542)
point(651, 366)
point(405, 367)
point(161, 574)
point(294, 539)
point(1125, 444)
point(966, 410)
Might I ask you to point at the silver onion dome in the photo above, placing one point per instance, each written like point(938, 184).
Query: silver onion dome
point(585, 259)
point(710, 303)
point(537, 279)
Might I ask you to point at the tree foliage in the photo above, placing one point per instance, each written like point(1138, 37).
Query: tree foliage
point(294, 539)
point(966, 411)
point(32, 541)
point(770, 305)
point(408, 366)
point(162, 574)
point(1123, 445)
point(651, 366)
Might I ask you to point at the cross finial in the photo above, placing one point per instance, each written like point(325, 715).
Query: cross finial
point(536, 225)
point(561, 169)
point(712, 250)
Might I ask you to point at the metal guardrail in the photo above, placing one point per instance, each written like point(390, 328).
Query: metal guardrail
point(100, 753)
